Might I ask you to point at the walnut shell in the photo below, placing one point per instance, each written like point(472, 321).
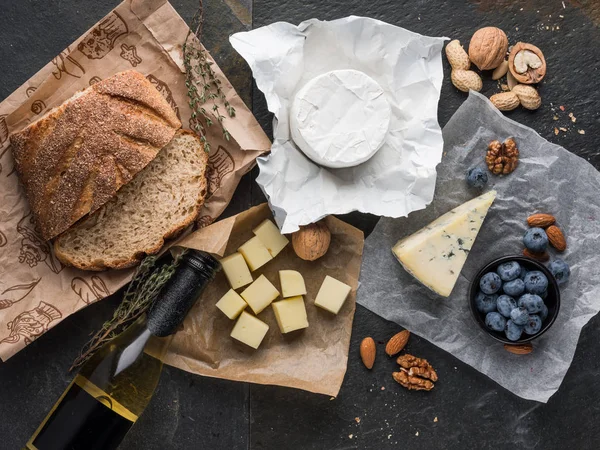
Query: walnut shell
point(312, 241)
point(535, 70)
point(488, 48)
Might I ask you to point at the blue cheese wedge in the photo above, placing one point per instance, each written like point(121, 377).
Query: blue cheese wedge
point(436, 254)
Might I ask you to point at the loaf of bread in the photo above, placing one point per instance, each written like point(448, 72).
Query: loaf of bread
point(75, 158)
point(159, 202)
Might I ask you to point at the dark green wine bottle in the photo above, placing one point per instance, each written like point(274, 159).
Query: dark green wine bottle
point(114, 387)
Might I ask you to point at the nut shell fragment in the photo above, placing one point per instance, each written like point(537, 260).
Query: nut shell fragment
point(526, 63)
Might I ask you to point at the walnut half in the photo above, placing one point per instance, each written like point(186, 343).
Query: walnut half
point(502, 158)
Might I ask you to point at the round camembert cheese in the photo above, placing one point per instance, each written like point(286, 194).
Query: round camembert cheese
point(340, 118)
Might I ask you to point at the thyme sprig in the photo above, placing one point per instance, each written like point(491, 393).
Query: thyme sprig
point(145, 285)
point(202, 84)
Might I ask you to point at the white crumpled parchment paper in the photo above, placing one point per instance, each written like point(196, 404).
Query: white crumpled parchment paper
point(400, 178)
point(548, 179)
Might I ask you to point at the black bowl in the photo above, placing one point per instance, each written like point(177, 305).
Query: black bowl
point(552, 301)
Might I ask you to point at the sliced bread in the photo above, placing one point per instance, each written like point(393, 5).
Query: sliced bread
point(162, 200)
point(77, 156)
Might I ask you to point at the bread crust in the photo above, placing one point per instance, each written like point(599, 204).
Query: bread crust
point(75, 158)
point(177, 228)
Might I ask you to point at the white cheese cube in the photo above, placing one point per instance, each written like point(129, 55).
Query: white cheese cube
point(270, 236)
point(332, 295)
point(236, 270)
point(231, 304)
point(290, 314)
point(255, 253)
point(292, 283)
point(260, 294)
point(436, 254)
point(249, 330)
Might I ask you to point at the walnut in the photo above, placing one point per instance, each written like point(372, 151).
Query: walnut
point(502, 159)
point(417, 366)
point(411, 382)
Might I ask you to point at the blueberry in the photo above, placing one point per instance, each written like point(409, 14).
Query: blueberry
point(495, 321)
point(534, 324)
point(524, 272)
point(519, 315)
point(490, 283)
point(505, 305)
point(477, 177)
point(513, 331)
point(485, 303)
point(536, 282)
point(560, 270)
point(544, 312)
point(536, 240)
point(508, 271)
point(532, 303)
point(514, 288)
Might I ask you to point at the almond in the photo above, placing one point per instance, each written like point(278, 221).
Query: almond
point(367, 352)
point(541, 257)
point(397, 342)
point(519, 349)
point(541, 220)
point(556, 238)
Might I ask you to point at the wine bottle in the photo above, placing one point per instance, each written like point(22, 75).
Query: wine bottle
point(115, 385)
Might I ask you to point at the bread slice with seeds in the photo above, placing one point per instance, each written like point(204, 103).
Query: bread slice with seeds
point(161, 201)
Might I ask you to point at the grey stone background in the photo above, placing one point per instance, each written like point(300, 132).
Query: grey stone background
point(372, 411)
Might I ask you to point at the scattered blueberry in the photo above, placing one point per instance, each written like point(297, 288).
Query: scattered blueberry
point(495, 321)
point(519, 316)
point(505, 305)
point(477, 177)
point(508, 271)
point(513, 331)
point(514, 288)
point(490, 283)
point(534, 324)
point(560, 270)
point(536, 240)
point(536, 282)
point(485, 303)
point(544, 312)
point(532, 303)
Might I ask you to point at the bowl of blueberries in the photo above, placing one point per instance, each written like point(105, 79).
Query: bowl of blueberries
point(515, 299)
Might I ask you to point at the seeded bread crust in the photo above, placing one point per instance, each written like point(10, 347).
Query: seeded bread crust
point(159, 203)
point(76, 157)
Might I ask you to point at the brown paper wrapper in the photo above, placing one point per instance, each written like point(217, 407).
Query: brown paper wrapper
point(313, 359)
point(36, 290)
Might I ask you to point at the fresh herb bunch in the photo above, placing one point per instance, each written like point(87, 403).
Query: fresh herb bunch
point(145, 285)
point(202, 83)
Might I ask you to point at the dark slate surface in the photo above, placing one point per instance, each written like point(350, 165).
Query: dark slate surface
point(189, 411)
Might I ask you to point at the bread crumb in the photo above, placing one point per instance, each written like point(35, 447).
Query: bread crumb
point(389, 436)
point(383, 388)
point(555, 118)
point(350, 436)
point(556, 131)
point(573, 118)
point(357, 419)
point(435, 419)
point(581, 131)
point(561, 107)
point(563, 129)
point(417, 433)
